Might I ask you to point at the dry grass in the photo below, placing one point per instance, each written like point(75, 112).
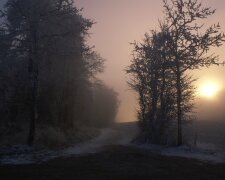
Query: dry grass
point(48, 136)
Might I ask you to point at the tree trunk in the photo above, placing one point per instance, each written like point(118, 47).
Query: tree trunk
point(162, 116)
point(153, 117)
point(34, 71)
point(34, 110)
point(143, 106)
point(179, 113)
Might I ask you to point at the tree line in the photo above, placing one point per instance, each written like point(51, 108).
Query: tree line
point(161, 69)
point(47, 70)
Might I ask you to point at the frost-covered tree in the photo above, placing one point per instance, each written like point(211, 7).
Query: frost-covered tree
point(160, 65)
point(190, 43)
point(154, 82)
point(47, 51)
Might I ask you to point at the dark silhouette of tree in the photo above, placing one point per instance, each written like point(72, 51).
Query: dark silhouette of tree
point(47, 66)
point(189, 44)
point(154, 81)
point(160, 65)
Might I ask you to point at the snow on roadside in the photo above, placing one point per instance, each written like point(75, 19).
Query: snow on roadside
point(187, 152)
point(203, 152)
point(23, 154)
point(107, 137)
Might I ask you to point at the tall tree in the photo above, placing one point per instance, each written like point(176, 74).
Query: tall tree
point(189, 43)
point(154, 81)
point(160, 65)
point(50, 37)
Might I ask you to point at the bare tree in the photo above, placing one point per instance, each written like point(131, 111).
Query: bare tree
point(154, 81)
point(189, 44)
point(160, 65)
point(51, 36)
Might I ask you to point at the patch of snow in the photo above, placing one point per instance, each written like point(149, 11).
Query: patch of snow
point(107, 136)
point(15, 154)
point(204, 155)
point(205, 152)
point(22, 154)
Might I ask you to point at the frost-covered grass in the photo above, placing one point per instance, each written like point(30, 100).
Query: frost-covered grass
point(118, 135)
point(203, 152)
point(86, 141)
point(50, 143)
point(53, 138)
point(22, 154)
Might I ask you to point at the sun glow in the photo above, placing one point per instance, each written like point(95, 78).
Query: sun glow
point(209, 90)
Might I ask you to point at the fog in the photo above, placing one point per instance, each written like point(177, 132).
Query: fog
point(120, 22)
point(211, 109)
point(112, 34)
point(120, 89)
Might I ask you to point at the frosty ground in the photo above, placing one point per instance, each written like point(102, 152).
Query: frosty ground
point(111, 156)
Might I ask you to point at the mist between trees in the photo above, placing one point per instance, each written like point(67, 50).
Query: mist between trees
point(48, 73)
point(160, 65)
point(49, 91)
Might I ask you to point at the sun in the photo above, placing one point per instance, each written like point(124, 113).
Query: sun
point(209, 90)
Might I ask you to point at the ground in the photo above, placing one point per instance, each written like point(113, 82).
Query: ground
point(111, 156)
point(116, 162)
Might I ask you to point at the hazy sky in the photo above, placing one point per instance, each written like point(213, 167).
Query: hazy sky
point(119, 22)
